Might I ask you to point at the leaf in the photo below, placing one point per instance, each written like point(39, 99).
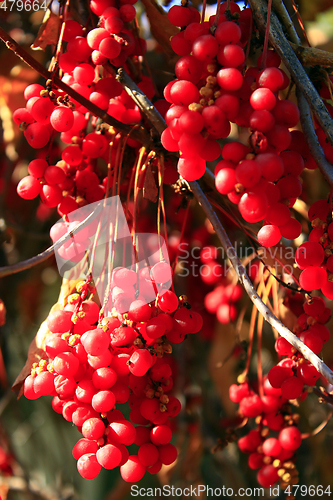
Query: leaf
point(37, 346)
point(150, 190)
point(48, 32)
point(160, 25)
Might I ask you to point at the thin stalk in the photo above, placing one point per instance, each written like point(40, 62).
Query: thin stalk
point(203, 11)
point(41, 257)
point(300, 22)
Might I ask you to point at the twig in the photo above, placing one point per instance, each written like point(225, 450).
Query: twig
point(311, 56)
point(41, 257)
point(316, 150)
point(265, 47)
point(300, 22)
point(283, 14)
point(296, 70)
point(140, 134)
point(321, 393)
point(252, 293)
point(217, 17)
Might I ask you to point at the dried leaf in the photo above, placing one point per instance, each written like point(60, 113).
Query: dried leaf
point(160, 25)
point(37, 346)
point(150, 190)
point(48, 32)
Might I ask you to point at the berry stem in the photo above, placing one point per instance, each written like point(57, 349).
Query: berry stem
point(63, 18)
point(266, 291)
point(248, 45)
point(246, 282)
point(300, 22)
point(161, 196)
point(251, 339)
point(181, 237)
point(228, 6)
point(217, 15)
point(203, 12)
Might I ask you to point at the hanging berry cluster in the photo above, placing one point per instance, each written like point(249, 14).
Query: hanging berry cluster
point(213, 89)
point(94, 363)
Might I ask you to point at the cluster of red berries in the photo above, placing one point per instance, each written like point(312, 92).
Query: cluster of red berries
point(223, 298)
point(65, 185)
point(272, 445)
point(73, 181)
point(94, 363)
point(263, 186)
point(204, 98)
point(314, 257)
point(213, 90)
point(286, 381)
point(293, 372)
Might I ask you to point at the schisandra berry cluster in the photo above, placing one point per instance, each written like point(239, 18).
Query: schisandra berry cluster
point(213, 89)
point(94, 363)
point(223, 298)
point(314, 257)
point(72, 181)
point(272, 445)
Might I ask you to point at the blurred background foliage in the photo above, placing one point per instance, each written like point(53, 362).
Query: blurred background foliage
point(35, 442)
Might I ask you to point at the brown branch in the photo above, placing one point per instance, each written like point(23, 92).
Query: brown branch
point(311, 56)
point(322, 394)
point(41, 257)
point(283, 15)
point(316, 150)
point(140, 134)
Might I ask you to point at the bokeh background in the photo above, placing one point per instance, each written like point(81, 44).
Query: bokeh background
point(35, 443)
